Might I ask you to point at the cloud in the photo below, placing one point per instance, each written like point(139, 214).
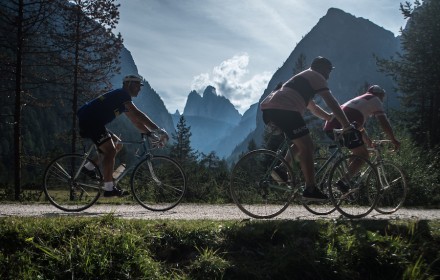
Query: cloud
point(231, 80)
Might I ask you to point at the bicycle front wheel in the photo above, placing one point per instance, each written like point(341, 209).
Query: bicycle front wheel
point(158, 183)
point(253, 189)
point(394, 188)
point(322, 177)
point(67, 188)
point(354, 186)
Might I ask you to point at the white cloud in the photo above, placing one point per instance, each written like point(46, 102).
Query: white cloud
point(231, 81)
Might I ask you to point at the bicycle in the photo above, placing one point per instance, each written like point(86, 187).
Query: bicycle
point(158, 182)
point(258, 195)
point(392, 180)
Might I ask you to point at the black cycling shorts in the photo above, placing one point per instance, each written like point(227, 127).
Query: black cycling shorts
point(290, 122)
point(98, 134)
point(351, 139)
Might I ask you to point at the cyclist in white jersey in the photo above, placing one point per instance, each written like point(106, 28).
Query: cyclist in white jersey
point(359, 109)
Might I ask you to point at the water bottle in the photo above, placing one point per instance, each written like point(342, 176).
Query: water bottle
point(119, 171)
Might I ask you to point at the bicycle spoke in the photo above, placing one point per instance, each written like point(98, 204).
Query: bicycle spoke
point(321, 177)
point(254, 190)
point(158, 183)
point(354, 193)
point(66, 193)
point(394, 188)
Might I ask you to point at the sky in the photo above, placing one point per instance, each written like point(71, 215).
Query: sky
point(234, 45)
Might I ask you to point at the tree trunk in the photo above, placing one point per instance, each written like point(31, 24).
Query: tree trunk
point(75, 79)
point(17, 110)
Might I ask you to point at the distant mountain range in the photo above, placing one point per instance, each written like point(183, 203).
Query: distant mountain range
point(349, 42)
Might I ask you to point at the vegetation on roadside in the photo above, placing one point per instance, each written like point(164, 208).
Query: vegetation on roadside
point(112, 248)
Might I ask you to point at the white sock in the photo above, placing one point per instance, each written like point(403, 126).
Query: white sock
point(89, 166)
point(108, 186)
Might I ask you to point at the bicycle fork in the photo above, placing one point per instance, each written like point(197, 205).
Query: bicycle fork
point(153, 175)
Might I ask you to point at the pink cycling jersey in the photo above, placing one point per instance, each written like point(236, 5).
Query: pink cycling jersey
point(358, 110)
point(296, 93)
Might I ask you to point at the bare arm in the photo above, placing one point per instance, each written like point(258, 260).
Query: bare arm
point(386, 126)
point(318, 111)
point(333, 104)
point(139, 119)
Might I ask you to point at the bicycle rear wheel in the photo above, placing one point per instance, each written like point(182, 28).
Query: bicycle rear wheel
point(322, 178)
point(393, 190)
point(67, 188)
point(354, 196)
point(158, 183)
point(254, 190)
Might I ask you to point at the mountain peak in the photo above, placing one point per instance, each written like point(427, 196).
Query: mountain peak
point(210, 90)
point(211, 106)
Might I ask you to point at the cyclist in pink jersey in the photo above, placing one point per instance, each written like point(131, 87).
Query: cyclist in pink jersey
point(359, 109)
point(285, 107)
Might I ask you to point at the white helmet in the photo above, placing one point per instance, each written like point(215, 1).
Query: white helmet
point(133, 78)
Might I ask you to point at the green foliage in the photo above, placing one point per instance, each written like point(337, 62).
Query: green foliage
point(422, 170)
point(111, 248)
point(181, 148)
point(416, 71)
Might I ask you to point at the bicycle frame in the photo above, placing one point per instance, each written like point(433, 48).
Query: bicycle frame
point(144, 146)
point(378, 162)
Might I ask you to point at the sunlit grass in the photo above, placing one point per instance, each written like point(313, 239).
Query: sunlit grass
point(113, 248)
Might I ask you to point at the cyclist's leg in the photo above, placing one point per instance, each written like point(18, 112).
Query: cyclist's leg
point(295, 128)
point(103, 139)
point(356, 165)
point(291, 123)
point(118, 146)
point(354, 142)
point(304, 148)
point(304, 153)
point(108, 152)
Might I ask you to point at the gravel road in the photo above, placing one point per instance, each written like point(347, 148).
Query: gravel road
point(195, 212)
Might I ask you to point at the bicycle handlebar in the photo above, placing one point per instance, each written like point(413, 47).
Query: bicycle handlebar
point(157, 138)
point(380, 142)
point(377, 144)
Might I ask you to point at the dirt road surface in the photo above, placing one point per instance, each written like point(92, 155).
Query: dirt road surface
point(196, 212)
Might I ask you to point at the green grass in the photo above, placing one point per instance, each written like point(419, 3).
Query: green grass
point(113, 248)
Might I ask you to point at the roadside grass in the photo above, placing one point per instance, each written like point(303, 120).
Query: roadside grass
point(112, 248)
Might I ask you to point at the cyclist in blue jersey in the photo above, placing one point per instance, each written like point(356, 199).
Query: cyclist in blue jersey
point(97, 113)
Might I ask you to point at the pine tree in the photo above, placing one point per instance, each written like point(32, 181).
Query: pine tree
point(90, 50)
point(21, 51)
point(181, 148)
point(417, 70)
point(300, 64)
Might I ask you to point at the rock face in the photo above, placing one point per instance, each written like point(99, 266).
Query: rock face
point(211, 106)
point(212, 119)
point(351, 44)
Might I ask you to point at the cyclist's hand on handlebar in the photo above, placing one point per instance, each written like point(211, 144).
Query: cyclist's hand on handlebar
point(348, 129)
point(163, 137)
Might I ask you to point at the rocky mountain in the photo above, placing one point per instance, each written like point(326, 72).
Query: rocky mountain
point(348, 41)
point(147, 101)
point(213, 118)
point(351, 44)
point(211, 106)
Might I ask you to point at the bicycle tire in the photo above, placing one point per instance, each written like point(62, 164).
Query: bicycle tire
point(253, 189)
point(66, 192)
point(321, 207)
point(393, 193)
point(363, 187)
point(160, 187)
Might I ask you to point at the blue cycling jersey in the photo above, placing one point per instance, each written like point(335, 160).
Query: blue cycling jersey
point(104, 108)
